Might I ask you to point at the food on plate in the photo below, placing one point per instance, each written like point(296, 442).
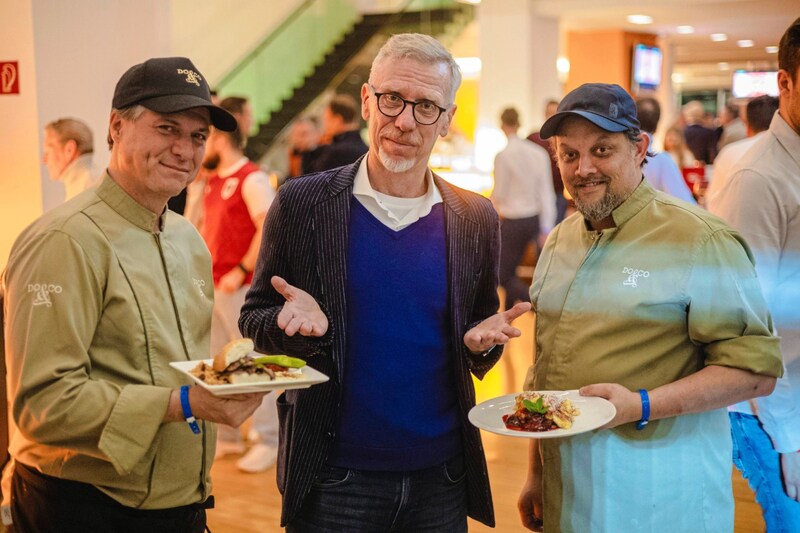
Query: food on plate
point(536, 411)
point(238, 363)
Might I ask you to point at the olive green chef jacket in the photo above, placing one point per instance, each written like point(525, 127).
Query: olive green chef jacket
point(666, 292)
point(98, 302)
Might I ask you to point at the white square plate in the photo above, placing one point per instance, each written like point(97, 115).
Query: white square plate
point(307, 376)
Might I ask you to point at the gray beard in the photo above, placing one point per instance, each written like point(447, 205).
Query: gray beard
point(394, 165)
point(598, 211)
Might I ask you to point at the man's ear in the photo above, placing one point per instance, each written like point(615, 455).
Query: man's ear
point(71, 149)
point(784, 83)
point(115, 126)
point(642, 146)
point(446, 120)
point(365, 102)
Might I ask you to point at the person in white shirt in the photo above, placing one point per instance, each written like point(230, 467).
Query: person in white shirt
point(524, 198)
point(760, 111)
point(68, 148)
point(661, 171)
point(761, 201)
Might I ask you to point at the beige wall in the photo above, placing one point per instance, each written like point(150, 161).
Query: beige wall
point(20, 187)
point(70, 56)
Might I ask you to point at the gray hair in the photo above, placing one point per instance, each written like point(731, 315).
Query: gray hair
point(130, 113)
point(71, 129)
point(424, 49)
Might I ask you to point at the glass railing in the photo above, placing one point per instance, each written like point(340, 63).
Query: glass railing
point(281, 62)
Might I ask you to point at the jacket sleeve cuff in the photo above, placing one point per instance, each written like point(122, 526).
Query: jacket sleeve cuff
point(131, 428)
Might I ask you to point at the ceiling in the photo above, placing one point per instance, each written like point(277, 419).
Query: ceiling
point(696, 58)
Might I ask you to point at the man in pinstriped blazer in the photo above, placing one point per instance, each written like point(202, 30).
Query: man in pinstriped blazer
point(384, 277)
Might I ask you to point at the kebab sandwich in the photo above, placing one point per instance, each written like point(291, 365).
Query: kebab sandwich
point(237, 363)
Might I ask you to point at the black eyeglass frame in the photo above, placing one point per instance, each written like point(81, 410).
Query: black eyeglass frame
point(405, 103)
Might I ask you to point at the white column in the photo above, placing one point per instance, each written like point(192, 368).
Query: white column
point(518, 50)
point(666, 94)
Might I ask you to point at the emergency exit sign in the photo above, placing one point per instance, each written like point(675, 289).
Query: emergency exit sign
point(9, 77)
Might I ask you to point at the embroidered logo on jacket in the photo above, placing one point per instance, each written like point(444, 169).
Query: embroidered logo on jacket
point(42, 293)
point(633, 275)
point(191, 76)
point(199, 284)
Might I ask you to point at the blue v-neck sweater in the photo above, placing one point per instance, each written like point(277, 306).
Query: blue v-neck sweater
point(399, 407)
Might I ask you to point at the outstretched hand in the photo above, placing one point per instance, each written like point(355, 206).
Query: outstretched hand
point(301, 312)
point(496, 329)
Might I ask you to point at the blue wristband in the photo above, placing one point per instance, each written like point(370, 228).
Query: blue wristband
point(187, 410)
point(640, 425)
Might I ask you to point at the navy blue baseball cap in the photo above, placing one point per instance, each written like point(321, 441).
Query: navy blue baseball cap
point(169, 85)
point(606, 105)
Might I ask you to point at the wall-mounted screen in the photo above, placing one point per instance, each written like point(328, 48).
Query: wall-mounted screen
point(646, 67)
point(748, 84)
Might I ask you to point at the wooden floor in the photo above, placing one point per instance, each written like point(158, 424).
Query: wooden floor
point(250, 503)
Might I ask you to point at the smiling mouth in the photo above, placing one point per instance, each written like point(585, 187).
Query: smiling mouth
point(590, 183)
point(177, 169)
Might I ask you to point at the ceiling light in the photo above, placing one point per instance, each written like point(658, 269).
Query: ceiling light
point(685, 30)
point(723, 65)
point(771, 49)
point(640, 19)
point(744, 43)
point(719, 37)
point(677, 77)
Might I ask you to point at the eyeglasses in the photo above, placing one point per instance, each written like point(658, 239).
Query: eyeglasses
point(425, 112)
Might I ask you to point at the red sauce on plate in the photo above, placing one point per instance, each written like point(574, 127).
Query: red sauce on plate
point(531, 422)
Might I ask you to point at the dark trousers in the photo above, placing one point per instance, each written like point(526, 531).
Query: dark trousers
point(43, 504)
point(515, 235)
point(357, 501)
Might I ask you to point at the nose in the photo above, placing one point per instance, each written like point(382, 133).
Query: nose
point(405, 120)
point(586, 167)
point(183, 147)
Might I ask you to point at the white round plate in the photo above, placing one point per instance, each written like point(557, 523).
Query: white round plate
point(595, 412)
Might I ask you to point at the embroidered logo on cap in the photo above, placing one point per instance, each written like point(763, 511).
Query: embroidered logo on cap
point(191, 76)
point(613, 110)
point(42, 293)
point(633, 275)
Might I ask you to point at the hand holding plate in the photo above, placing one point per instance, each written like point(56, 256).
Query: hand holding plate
point(627, 403)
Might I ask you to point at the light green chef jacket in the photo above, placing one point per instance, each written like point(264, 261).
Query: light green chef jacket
point(666, 292)
point(98, 302)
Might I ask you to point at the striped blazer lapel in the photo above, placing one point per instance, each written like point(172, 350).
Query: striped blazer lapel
point(462, 243)
point(331, 221)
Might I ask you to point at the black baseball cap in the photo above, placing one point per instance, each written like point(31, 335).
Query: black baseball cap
point(606, 105)
point(169, 85)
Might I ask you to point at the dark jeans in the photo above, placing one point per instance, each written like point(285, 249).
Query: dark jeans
point(515, 234)
point(357, 501)
point(43, 504)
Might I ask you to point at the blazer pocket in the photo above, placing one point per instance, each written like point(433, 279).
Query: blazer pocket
point(286, 420)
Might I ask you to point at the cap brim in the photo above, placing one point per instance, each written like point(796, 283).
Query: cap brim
point(220, 118)
point(550, 127)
